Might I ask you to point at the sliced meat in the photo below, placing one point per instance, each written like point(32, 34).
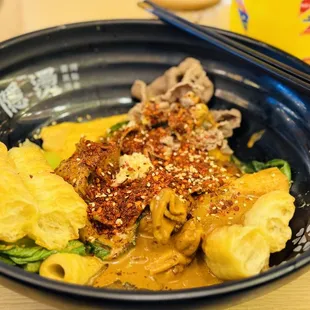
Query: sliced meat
point(207, 139)
point(175, 83)
point(139, 90)
point(89, 159)
point(225, 148)
point(135, 113)
point(227, 120)
point(170, 142)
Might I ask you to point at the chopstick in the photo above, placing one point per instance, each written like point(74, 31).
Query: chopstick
point(268, 64)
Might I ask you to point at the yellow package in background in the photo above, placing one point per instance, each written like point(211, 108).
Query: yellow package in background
point(281, 23)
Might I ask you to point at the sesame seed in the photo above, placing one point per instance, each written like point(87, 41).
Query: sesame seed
point(148, 184)
point(78, 159)
point(91, 238)
point(119, 222)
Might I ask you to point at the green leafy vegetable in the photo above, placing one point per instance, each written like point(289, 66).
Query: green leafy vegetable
point(6, 260)
point(255, 166)
point(33, 267)
point(30, 256)
point(53, 159)
point(6, 247)
point(117, 127)
point(98, 249)
point(25, 251)
point(75, 247)
point(283, 165)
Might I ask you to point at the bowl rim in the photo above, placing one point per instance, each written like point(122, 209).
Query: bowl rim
point(37, 281)
point(45, 31)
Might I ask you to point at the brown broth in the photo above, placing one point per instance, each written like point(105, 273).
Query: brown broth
point(132, 268)
point(209, 221)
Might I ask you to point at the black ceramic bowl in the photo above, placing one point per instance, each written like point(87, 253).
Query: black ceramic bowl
point(69, 71)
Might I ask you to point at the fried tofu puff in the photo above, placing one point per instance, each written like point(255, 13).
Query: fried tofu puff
point(70, 268)
point(272, 213)
point(236, 252)
point(239, 251)
point(261, 182)
point(18, 208)
point(61, 211)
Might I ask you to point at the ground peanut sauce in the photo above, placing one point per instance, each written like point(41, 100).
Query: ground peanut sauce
point(132, 266)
